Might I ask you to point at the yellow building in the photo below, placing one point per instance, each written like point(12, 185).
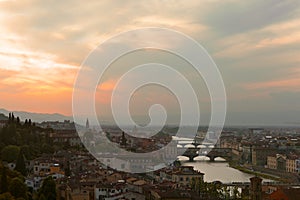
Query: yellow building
point(55, 169)
point(272, 162)
point(185, 175)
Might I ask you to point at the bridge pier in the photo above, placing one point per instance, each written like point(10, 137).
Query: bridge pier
point(191, 158)
point(212, 158)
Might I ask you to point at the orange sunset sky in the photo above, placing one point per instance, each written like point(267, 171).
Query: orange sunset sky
point(256, 45)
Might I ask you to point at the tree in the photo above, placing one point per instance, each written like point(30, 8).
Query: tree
point(3, 183)
point(18, 188)
point(20, 165)
point(6, 196)
point(177, 163)
point(18, 120)
point(67, 169)
point(48, 189)
point(42, 197)
point(10, 153)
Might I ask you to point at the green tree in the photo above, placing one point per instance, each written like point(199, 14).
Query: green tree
point(18, 188)
point(177, 163)
point(48, 189)
point(10, 153)
point(8, 134)
point(67, 169)
point(12, 117)
point(18, 120)
point(42, 197)
point(3, 183)
point(20, 165)
point(6, 196)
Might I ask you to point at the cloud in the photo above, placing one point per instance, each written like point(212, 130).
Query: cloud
point(107, 86)
point(255, 43)
point(234, 17)
point(286, 84)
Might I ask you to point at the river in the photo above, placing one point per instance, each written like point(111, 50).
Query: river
point(218, 170)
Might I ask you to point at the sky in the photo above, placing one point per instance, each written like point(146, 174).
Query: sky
point(255, 44)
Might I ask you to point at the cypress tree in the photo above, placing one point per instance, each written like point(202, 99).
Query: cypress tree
point(4, 183)
point(20, 165)
point(12, 117)
point(48, 189)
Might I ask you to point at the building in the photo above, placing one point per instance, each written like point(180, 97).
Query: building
point(284, 194)
point(66, 137)
point(291, 163)
point(185, 174)
point(34, 182)
point(260, 154)
point(298, 165)
point(45, 167)
point(109, 191)
point(41, 167)
point(56, 125)
point(272, 162)
point(284, 163)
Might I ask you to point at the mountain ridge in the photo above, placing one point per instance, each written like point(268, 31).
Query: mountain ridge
point(37, 117)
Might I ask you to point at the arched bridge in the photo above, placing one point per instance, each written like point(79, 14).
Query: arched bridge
point(225, 153)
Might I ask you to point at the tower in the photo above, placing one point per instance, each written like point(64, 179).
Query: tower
point(123, 140)
point(256, 188)
point(87, 125)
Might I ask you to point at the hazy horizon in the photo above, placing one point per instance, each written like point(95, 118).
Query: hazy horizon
point(142, 121)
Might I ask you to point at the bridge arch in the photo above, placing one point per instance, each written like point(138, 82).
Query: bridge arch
point(189, 146)
point(220, 158)
point(183, 158)
point(201, 158)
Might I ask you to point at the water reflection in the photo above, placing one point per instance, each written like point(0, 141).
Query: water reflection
point(217, 171)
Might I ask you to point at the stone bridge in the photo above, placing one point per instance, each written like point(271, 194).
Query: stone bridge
point(225, 153)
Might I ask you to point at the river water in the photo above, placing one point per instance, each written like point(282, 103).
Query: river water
point(218, 170)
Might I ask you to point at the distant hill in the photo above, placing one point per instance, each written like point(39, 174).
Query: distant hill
point(3, 117)
point(35, 117)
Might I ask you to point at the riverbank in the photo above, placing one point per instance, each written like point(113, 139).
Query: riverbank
point(257, 173)
point(219, 171)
